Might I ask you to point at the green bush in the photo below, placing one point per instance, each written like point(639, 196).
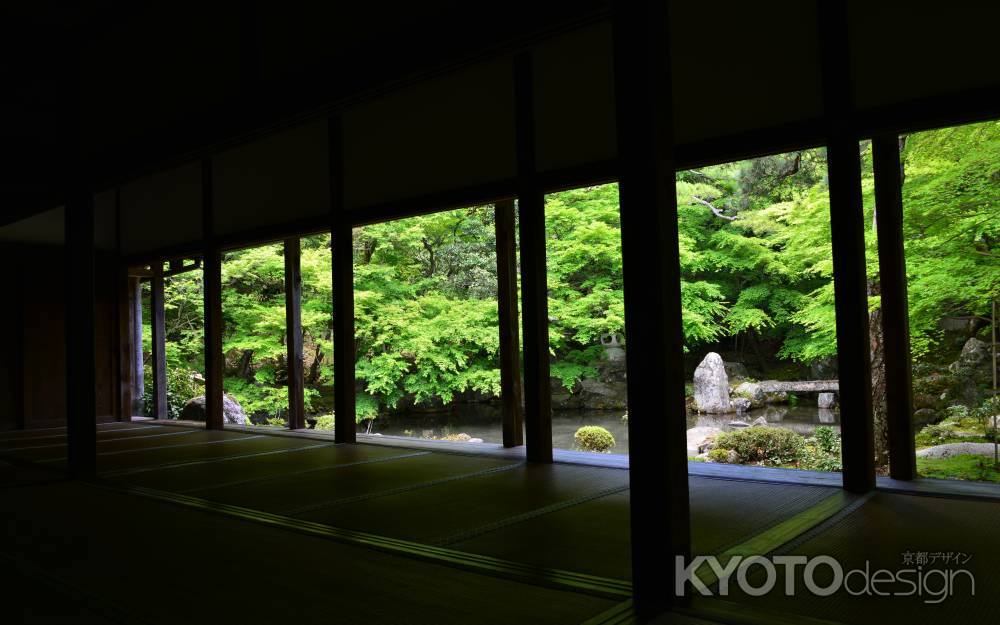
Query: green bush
point(325, 422)
point(719, 455)
point(594, 438)
point(822, 451)
point(827, 439)
point(181, 387)
point(934, 434)
point(763, 445)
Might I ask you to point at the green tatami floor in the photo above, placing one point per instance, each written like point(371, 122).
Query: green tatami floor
point(252, 527)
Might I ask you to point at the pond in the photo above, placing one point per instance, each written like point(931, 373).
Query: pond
point(483, 421)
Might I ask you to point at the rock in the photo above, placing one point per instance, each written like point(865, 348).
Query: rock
point(826, 400)
point(758, 422)
point(736, 370)
point(975, 353)
point(957, 449)
point(232, 412)
point(923, 401)
point(823, 369)
point(699, 439)
point(751, 391)
point(776, 397)
point(732, 457)
point(711, 385)
point(741, 404)
point(608, 391)
point(925, 416)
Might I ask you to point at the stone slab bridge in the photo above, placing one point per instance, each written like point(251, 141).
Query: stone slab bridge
point(803, 386)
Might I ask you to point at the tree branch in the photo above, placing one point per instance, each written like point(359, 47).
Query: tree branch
point(715, 211)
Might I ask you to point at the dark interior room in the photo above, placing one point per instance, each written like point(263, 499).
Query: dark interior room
point(403, 312)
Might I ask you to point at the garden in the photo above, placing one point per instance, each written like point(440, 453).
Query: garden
point(758, 307)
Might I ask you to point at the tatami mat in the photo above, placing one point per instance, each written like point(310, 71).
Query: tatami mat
point(434, 514)
point(882, 531)
point(398, 470)
point(164, 564)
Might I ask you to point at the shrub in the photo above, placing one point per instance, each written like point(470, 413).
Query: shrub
point(719, 455)
point(594, 438)
point(182, 385)
point(324, 423)
point(956, 412)
point(827, 439)
point(934, 434)
point(988, 416)
point(763, 445)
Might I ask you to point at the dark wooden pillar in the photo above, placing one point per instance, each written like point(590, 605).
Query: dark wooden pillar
point(660, 520)
point(126, 350)
point(895, 308)
point(293, 328)
point(510, 358)
point(534, 288)
point(81, 397)
point(212, 289)
point(159, 347)
point(342, 244)
point(847, 232)
point(122, 370)
point(138, 381)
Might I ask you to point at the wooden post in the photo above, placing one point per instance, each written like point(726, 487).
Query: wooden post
point(212, 288)
point(895, 309)
point(81, 398)
point(342, 244)
point(156, 310)
point(293, 328)
point(660, 519)
point(138, 380)
point(534, 289)
point(847, 232)
point(126, 351)
point(510, 358)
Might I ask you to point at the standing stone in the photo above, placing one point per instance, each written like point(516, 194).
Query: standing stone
point(232, 412)
point(711, 386)
point(826, 400)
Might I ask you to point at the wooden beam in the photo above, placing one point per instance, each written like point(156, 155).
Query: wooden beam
point(293, 329)
point(847, 232)
point(81, 398)
point(159, 347)
point(342, 244)
point(895, 307)
point(510, 358)
point(534, 288)
point(212, 289)
point(660, 518)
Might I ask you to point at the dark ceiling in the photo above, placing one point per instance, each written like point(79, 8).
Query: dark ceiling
point(98, 91)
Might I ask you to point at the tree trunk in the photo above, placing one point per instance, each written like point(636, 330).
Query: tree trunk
point(243, 369)
point(314, 367)
point(878, 382)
